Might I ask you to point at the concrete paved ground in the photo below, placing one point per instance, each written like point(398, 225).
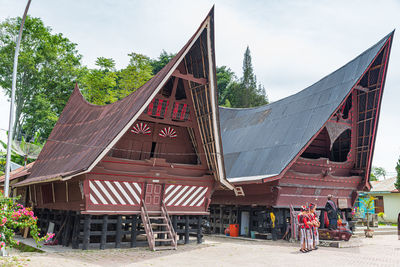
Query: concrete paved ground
point(381, 250)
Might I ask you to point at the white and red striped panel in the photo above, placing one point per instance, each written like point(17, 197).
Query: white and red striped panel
point(184, 195)
point(115, 192)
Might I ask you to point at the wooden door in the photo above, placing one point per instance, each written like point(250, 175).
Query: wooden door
point(153, 196)
point(379, 207)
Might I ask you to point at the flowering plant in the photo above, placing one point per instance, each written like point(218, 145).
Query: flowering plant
point(14, 216)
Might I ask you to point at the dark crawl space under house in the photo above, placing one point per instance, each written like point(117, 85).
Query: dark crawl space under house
point(148, 169)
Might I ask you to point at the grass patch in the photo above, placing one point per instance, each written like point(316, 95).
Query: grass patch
point(26, 248)
point(387, 224)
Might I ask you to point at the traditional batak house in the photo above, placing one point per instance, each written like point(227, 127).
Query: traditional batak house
point(20, 173)
point(148, 163)
point(299, 149)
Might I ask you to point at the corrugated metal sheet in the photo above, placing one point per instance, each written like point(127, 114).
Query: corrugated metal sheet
point(19, 172)
point(262, 141)
point(386, 185)
point(84, 130)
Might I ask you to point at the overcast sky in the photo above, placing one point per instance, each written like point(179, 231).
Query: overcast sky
point(293, 43)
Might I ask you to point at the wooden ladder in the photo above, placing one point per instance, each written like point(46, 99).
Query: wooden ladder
point(164, 235)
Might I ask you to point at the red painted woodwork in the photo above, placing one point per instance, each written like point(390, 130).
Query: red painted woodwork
point(153, 196)
point(319, 147)
point(67, 195)
point(164, 148)
point(142, 172)
point(159, 147)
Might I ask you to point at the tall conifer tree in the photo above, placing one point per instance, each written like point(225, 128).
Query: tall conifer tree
point(246, 93)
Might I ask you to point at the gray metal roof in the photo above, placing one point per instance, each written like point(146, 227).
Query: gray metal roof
point(260, 142)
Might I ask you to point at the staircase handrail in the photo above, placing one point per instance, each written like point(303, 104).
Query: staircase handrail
point(164, 208)
point(148, 224)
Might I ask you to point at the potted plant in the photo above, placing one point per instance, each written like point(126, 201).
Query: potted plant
point(368, 204)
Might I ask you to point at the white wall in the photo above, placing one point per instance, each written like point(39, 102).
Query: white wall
point(391, 204)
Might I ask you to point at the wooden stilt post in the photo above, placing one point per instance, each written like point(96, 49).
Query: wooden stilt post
point(47, 220)
point(118, 235)
point(221, 223)
point(86, 232)
point(230, 215)
point(187, 229)
point(103, 239)
point(175, 223)
point(250, 221)
point(199, 229)
point(75, 232)
point(67, 231)
point(134, 231)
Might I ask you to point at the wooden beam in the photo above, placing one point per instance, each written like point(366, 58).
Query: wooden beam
point(221, 225)
point(75, 232)
point(134, 231)
point(52, 190)
point(199, 221)
point(186, 229)
point(30, 193)
point(171, 99)
point(65, 233)
point(189, 77)
point(118, 235)
point(103, 239)
point(34, 190)
point(86, 232)
point(175, 222)
point(361, 88)
point(66, 191)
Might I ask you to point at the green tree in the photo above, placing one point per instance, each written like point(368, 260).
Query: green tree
point(225, 78)
point(378, 172)
point(248, 80)
point(397, 184)
point(162, 60)
point(99, 85)
point(105, 84)
point(246, 92)
point(372, 177)
point(137, 73)
point(40, 116)
point(48, 65)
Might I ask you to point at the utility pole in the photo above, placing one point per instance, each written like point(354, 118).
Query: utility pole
point(3, 251)
point(11, 120)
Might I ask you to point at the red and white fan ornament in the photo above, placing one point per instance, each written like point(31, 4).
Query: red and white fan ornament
point(141, 128)
point(168, 132)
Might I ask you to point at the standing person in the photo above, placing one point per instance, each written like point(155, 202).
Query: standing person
point(302, 233)
point(315, 226)
point(332, 211)
point(308, 225)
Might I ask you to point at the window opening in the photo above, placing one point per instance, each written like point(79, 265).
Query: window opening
point(346, 108)
point(167, 89)
point(153, 149)
point(180, 91)
point(341, 147)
